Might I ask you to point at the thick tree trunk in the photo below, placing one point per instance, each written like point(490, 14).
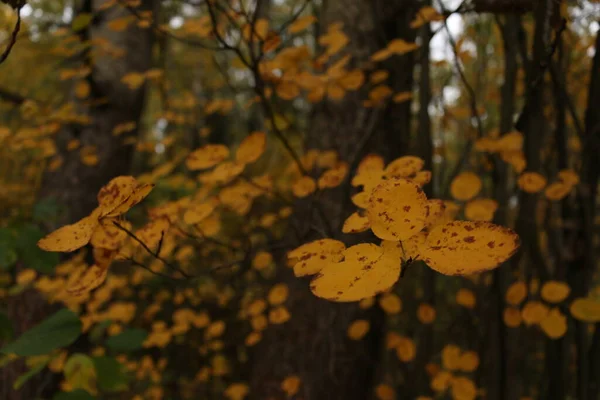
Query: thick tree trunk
point(314, 343)
point(75, 185)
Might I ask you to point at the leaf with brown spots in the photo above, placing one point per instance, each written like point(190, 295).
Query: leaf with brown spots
point(311, 257)
point(397, 209)
point(464, 248)
point(71, 237)
point(88, 281)
point(365, 272)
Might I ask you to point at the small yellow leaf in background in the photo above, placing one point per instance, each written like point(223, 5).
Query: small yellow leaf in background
point(26, 276)
point(469, 361)
point(397, 209)
point(115, 193)
point(262, 260)
point(82, 90)
point(278, 294)
point(512, 317)
point(451, 357)
point(481, 209)
point(251, 148)
point(90, 280)
point(463, 247)
point(358, 329)
point(279, 315)
point(534, 312)
point(356, 223)
point(333, 177)
point(404, 167)
point(304, 187)
point(465, 186)
point(402, 97)
point(301, 24)
point(585, 309)
point(466, 298)
point(441, 381)
point(390, 303)
point(291, 385)
point(531, 182)
point(385, 392)
point(198, 212)
point(555, 324)
point(253, 338)
point(555, 291)
point(426, 313)
point(463, 388)
point(406, 349)
point(312, 257)
point(557, 191)
point(369, 171)
point(569, 177)
point(236, 391)
point(206, 156)
point(516, 293)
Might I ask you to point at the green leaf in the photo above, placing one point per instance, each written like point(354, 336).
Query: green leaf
point(111, 374)
point(20, 381)
point(81, 21)
point(59, 330)
point(45, 210)
point(128, 340)
point(6, 327)
point(78, 394)
point(32, 256)
point(8, 255)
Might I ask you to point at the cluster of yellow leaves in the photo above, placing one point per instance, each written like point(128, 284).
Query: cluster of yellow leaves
point(454, 360)
point(534, 312)
point(411, 226)
point(100, 229)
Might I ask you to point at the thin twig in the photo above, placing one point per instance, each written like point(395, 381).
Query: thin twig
point(13, 37)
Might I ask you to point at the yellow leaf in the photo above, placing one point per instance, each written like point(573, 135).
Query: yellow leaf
point(71, 237)
point(90, 280)
point(356, 223)
point(390, 303)
point(406, 350)
point(402, 97)
point(312, 257)
point(109, 236)
point(397, 209)
point(385, 392)
point(253, 338)
point(358, 329)
point(441, 381)
point(463, 247)
point(555, 324)
point(512, 317)
point(516, 293)
point(236, 391)
point(557, 191)
point(466, 298)
point(304, 186)
point(206, 156)
point(369, 171)
point(365, 272)
point(262, 260)
point(115, 193)
point(333, 177)
point(404, 167)
point(399, 46)
point(251, 148)
point(469, 361)
point(481, 209)
point(451, 357)
point(278, 294)
point(465, 186)
point(301, 24)
point(569, 177)
point(426, 313)
point(555, 291)
point(291, 385)
point(534, 312)
point(586, 310)
point(279, 315)
point(197, 212)
point(463, 389)
point(531, 182)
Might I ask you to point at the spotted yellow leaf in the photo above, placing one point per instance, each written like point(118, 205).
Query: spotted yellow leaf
point(397, 209)
point(71, 237)
point(463, 247)
point(312, 257)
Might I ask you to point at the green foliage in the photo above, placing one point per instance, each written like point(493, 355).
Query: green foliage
point(60, 329)
point(110, 374)
point(128, 340)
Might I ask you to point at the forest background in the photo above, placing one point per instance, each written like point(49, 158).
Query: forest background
point(299, 199)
